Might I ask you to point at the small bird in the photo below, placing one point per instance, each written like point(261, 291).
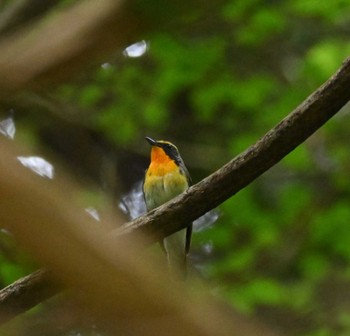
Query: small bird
point(165, 178)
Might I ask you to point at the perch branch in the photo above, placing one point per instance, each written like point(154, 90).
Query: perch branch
point(301, 123)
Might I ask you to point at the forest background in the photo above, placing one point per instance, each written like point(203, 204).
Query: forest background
point(213, 80)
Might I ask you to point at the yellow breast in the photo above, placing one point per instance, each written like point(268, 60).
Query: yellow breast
point(161, 188)
point(163, 180)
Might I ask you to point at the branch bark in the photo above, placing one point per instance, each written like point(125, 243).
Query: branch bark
point(25, 293)
point(301, 123)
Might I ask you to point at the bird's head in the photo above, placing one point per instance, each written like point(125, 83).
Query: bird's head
point(166, 155)
point(163, 151)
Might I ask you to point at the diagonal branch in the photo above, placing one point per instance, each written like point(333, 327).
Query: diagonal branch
point(315, 111)
point(301, 123)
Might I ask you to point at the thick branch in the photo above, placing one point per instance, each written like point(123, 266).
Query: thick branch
point(315, 111)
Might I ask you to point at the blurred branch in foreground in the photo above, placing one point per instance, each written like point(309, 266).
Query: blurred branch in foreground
point(112, 278)
point(61, 46)
point(109, 274)
point(71, 39)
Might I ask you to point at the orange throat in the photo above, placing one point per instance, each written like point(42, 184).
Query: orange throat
point(161, 163)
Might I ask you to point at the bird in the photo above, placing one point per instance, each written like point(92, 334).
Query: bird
point(165, 178)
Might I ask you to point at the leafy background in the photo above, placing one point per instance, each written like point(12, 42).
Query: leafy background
point(280, 249)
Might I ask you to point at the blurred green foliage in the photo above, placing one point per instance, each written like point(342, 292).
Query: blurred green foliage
point(224, 82)
point(281, 247)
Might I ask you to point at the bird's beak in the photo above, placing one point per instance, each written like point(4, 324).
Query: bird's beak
point(151, 141)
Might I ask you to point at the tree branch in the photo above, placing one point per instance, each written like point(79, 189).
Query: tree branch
point(25, 293)
point(316, 110)
point(309, 116)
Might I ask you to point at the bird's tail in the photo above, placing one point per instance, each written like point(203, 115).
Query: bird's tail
point(176, 253)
